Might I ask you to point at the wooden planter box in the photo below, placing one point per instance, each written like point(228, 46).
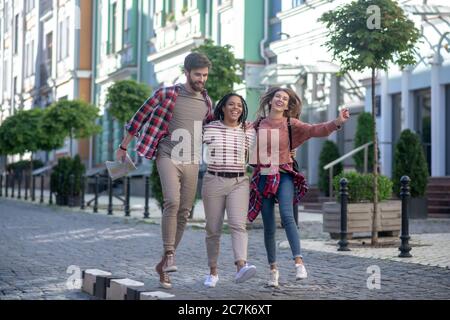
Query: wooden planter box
point(359, 218)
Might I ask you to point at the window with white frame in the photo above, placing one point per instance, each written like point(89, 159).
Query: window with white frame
point(29, 59)
point(29, 5)
point(63, 35)
point(16, 34)
point(128, 18)
point(7, 16)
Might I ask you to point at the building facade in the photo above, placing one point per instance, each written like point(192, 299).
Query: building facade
point(122, 28)
point(45, 52)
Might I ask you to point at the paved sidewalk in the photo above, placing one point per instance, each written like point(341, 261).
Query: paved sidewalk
point(39, 243)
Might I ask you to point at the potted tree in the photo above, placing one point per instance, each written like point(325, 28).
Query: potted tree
point(409, 160)
point(360, 207)
point(65, 193)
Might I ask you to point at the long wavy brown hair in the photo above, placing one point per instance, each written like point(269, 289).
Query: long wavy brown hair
point(294, 104)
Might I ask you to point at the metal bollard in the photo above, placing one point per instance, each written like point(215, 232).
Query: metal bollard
point(33, 189)
point(1, 185)
point(110, 197)
point(147, 189)
point(127, 198)
point(405, 248)
point(6, 185)
point(343, 243)
point(83, 181)
point(42, 189)
point(96, 194)
point(19, 187)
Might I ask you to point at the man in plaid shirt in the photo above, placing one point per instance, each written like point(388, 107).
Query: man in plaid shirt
point(170, 113)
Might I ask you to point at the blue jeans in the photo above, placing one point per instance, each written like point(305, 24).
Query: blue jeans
point(285, 194)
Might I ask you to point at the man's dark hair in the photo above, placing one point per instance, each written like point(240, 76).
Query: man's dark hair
point(196, 60)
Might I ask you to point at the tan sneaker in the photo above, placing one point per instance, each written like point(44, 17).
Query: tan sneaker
point(164, 279)
point(169, 263)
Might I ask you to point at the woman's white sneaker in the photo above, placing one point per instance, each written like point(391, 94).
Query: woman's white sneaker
point(211, 280)
point(273, 280)
point(245, 273)
point(301, 272)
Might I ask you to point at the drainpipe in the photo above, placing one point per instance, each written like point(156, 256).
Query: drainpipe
point(207, 20)
point(266, 32)
point(93, 75)
point(139, 55)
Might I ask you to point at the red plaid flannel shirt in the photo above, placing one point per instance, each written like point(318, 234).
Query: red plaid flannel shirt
point(151, 122)
point(271, 188)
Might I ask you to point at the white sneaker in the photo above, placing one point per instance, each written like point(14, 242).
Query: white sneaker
point(245, 273)
point(273, 281)
point(211, 281)
point(301, 272)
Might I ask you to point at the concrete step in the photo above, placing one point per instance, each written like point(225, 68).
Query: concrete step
point(438, 209)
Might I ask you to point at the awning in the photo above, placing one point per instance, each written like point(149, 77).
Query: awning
point(283, 74)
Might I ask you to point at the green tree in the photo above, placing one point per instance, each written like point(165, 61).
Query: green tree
point(125, 97)
point(23, 132)
point(409, 160)
point(225, 70)
point(329, 153)
point(363, 135)
point(371, 34)
point(72, 119)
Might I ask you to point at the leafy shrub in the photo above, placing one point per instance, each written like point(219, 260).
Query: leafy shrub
point(360, 187)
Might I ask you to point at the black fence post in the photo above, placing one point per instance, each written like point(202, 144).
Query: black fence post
point(127, 198)
point(12, 185)
point(343, 243)
point(405, 248)
point(19, 187)
point(110, 196)
point(6, 185)
point(1, 185)
point(33, 188)
point(26, 187)
point(42, 189)
point(147, 192)
point(83, 182)
point(50, 199)
point(96, 194)
point(71, 190)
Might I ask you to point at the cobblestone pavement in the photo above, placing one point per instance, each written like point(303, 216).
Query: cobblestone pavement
point(39, 243)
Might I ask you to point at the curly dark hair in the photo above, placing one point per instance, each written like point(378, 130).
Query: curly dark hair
point(218, 110)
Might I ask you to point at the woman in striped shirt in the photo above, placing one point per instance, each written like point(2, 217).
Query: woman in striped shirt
point(226, 185)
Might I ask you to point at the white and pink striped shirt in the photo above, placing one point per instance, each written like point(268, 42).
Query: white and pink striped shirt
point(227, 147)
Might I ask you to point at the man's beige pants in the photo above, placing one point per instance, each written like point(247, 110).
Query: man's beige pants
point(179, 185)
point(230, 194)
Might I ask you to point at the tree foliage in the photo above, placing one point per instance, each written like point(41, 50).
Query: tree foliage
point(329, 153)
point(225, 70)
point(125, 97)
point(409, 160)
point(23, 132)
point(356, 41)
point(71, 118)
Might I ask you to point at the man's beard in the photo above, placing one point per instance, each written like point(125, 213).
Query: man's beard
point(196, 86)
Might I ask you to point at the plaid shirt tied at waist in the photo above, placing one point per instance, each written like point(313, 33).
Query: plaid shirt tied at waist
point(271, 188)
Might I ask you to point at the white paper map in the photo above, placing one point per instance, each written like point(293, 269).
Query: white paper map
point(118, 169)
